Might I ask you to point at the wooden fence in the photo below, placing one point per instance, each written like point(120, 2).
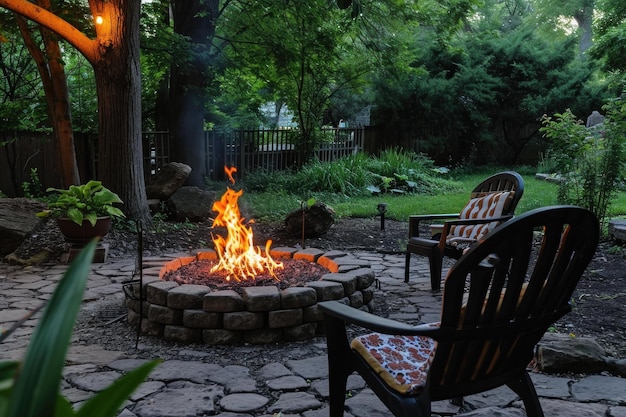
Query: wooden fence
point(23, 152)
point(275, 150)
point(248, 150)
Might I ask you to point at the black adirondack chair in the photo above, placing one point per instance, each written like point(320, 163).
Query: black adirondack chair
point(459, 230)
point(499, 299)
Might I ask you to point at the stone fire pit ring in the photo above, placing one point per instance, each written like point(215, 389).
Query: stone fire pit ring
point(197, 314)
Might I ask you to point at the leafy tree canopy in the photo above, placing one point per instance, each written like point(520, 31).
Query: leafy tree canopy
point(611, 33)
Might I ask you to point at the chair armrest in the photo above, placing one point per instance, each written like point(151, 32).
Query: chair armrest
point(372, 322)
point(414, 221)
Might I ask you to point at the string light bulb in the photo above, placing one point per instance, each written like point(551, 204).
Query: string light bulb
point(99, 20)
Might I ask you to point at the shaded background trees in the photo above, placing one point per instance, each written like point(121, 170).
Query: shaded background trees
point(479, 97)
point(462, 81)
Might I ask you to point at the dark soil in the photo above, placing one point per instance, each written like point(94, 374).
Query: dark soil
point(599, 303)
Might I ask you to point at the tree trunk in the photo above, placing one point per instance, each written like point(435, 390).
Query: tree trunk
point(114, 55)
point(54, 81)
point(62, 116)
point(195, 19)
point(118, 84)
point(187, 125)
point(584, 19)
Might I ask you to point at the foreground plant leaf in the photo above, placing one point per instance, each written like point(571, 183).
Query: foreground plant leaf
point(37, 385)
point(7, 375)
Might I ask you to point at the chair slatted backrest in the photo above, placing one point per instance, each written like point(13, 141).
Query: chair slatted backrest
point(502, 181)
point(504, 293)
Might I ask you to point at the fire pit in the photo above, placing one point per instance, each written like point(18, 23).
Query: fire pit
point(191, 313)
point(245, 312)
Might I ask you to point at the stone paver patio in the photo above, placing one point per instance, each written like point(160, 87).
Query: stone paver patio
point(188, 384)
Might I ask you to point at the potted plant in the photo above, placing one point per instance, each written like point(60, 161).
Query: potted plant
point(83, 211)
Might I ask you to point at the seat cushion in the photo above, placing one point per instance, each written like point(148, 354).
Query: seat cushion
point(485, 207)
point(402, 362)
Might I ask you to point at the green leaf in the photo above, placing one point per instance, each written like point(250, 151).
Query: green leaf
point(64, 408)
point(4, 402)
point(75, 215)
point(114, 211)
point(7, 373)
point(91, 187)
point(106, 196)
point(8, 370)
point(92, 217)
point(42, 214)
point(37, 385)
point(108, 401)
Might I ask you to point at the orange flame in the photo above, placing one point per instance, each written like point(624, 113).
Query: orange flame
point(236, 253)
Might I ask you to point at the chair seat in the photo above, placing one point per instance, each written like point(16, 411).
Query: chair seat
point(402, 362)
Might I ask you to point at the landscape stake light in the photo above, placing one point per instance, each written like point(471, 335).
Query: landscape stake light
point(382, 209)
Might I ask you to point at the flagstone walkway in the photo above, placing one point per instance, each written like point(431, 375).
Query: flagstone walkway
point(293, 383)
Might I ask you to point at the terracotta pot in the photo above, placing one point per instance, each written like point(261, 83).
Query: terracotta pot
point(82, 234)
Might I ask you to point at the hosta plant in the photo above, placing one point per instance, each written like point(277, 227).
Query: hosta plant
point(83, 202)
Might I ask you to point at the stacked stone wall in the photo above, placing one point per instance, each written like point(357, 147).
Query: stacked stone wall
point(196, 314)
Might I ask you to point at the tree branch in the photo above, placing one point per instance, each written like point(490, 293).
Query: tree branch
point(85, 45)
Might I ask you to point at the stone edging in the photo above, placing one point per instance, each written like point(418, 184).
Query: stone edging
point(195, 314)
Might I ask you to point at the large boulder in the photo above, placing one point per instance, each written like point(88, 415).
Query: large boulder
point(17, 220)
point(169, 179)
point(190, 203)
point(594, 119)
point(558, 353)
point(318, 219)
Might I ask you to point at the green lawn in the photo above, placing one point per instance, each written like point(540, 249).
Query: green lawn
point(537, 193)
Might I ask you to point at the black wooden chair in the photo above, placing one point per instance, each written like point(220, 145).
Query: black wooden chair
point(492, 202)
point(499, 299)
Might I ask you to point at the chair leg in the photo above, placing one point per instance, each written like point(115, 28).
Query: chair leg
point(435, 271)
point(407, 262)
point(340, 364)
point(523, 386)
point(337, 395)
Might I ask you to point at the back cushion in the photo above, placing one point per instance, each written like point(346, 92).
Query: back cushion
point(485, 207)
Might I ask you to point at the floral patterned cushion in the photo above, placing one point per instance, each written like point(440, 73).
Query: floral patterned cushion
point(488, 206)
point(401, 361)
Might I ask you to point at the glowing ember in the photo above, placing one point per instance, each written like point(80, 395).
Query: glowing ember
point(238, 257)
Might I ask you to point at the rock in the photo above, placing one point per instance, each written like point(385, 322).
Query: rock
point(191, 203)
point(17, 220)
point(594, 119)
point(169, 179)
point(563, 353)
point(318, 219)
point(37, 259)
point(617, 230)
